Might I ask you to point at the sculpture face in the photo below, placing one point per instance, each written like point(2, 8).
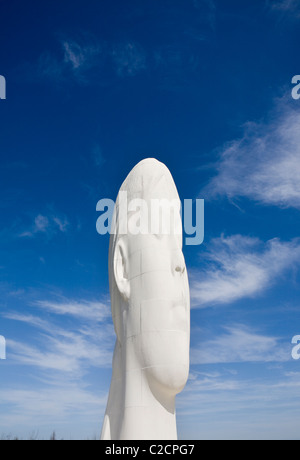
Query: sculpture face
point(150, 308)
point(159, 295)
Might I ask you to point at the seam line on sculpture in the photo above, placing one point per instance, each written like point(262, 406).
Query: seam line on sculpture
point(161, 365)
point(155, 330)
point(149, 271)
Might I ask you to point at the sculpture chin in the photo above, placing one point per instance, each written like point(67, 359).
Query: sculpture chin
point(166, 360)
point(168, 380)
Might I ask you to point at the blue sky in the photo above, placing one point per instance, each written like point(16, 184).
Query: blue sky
point(92, 88)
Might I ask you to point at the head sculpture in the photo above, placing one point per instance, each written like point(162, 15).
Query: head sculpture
point(150, 310)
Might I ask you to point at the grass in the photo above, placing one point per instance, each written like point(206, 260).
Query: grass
point(34, 437)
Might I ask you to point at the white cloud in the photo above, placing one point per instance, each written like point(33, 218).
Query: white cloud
point(76, 58)
point(65, 352)
point(240, 344)
point(263, 165)
point(73, 54)
point(41, 223)
point(53, 401)
point(87, 341)
point(247, 406)
point(59, 355)
point(89, 310)
point(40, 410)
point(47, 225)
point(81, 56)
point(61, 223)
point(29, 319)
point(241, 267)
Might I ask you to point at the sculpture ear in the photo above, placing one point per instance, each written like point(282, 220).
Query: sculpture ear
point(121, 270)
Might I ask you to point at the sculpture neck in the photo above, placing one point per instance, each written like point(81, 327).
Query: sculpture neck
point(135, 410)
point(148, 423)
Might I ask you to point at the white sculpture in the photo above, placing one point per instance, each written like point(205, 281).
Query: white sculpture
point(151, 314)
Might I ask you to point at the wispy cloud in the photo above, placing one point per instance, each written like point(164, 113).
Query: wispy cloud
point(59, 355)
point(241, 267)
point(264, 164)
point(72, 353)
point(287, 6)
point(86, 58)
point(208, 9)
point(227, 406)
point(62, 224)
point(50, 67)
point(78, 58)
point(128, 58)
point(47, 407)
point(86, 342)
point(47, 225)
point(90, 310)
point(74, 58)
point(81, 56)
point(97, 156)
point(240, 343)
point(41, 223)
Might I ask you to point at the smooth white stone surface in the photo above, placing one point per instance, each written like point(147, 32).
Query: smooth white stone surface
point(151, 313)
